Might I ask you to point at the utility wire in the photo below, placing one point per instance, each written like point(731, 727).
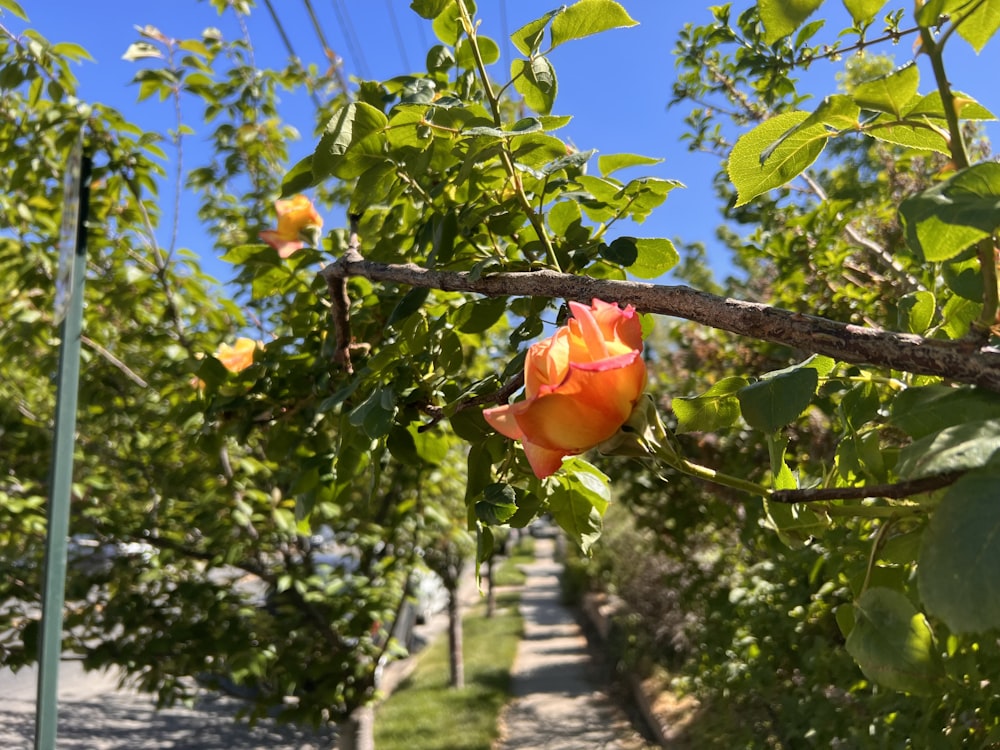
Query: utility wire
point(288, 46)
point(357, 52)
point(399, 36)
point(335, 62)
point(506, 36)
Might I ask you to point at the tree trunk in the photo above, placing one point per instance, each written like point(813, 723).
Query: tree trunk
point(456, 661)
point(491, 589)
point(358, 732)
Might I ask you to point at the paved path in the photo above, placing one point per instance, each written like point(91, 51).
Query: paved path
point(558, 704)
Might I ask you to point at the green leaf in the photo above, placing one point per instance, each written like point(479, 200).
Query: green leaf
point(412, 301)
point(447, 22)
point(578, 496)
point(888, 129)
point(611, 163)
point(499, 504)
point(751, 176)
point(932, 106)
point(922, 411)
point(13, 8)
point(776, 401)
point(863, 11)
point(71, 51)
point(432, 446)
point(528, 38)
point(401, 445)
point(646, 258)
point(947, 218)
point(893, 643)
point(916, 311)
point(960, 555)
point(374, 186)
point(586, 17)
point(958, 314)
point(715, 409)
point(488, 49)
point(957, 448)
point(979, 26)
point(376, 413)
point(963, 278)
point(535, 80)
point(656, 257)
point(782, 17)
point(481, 315)
point(430, 8)
point(298, 178)
point(890, 93)
point(352, 142)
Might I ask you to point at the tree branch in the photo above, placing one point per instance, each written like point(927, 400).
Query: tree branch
point(897, 491)
point(960, 361)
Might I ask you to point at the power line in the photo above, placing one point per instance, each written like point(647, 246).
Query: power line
point(288, 46)
point(356, 50)
point(327, 49)
point(399, 36)
point(506, 36)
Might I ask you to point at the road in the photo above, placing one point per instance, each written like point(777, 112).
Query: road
point(95, 714)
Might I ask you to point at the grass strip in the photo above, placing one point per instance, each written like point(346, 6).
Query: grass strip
point(425, 714)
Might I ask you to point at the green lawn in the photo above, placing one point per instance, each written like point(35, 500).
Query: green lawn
point(425, 714)
point(509, 573)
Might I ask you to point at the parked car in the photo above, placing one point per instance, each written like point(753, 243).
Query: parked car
point(92, 556)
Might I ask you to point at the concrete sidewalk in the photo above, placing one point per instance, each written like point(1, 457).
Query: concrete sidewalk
point(558, 704)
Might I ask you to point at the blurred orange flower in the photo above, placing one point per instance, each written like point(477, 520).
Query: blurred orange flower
point(238, 357)
point(299, 224)
point(580, 386)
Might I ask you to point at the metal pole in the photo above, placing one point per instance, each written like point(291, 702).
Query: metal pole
point(50, 644)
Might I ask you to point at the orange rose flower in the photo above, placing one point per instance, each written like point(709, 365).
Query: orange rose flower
point(238, 357)
point(580, 386)
point(298, 224)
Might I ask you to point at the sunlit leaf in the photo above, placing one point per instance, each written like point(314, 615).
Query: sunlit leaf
point(889, 93)
point(751, 176)
point(947, 218)
point(535, 80)
point(611, 163)
point(863, 11)
point(783, 17)
point(498, 504)
point(957, 448)
point(718, 408)
point(770, 404)
point(578, 495)
point(893, 643)
point(916, 311)
point(586, 17)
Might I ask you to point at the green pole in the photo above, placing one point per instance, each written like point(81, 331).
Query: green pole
point(61, 484)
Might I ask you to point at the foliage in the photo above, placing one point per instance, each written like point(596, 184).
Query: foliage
point(766, 626)
point(468, 217)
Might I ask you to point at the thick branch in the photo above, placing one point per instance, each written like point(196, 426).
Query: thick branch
point(897, 491)
point(959, 361)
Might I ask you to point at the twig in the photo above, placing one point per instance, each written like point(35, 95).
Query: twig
point(858, 239)
point(499, 396)
point(897, 491)
point(129, 373)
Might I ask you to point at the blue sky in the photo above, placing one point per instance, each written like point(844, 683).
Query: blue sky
point(616, 85)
